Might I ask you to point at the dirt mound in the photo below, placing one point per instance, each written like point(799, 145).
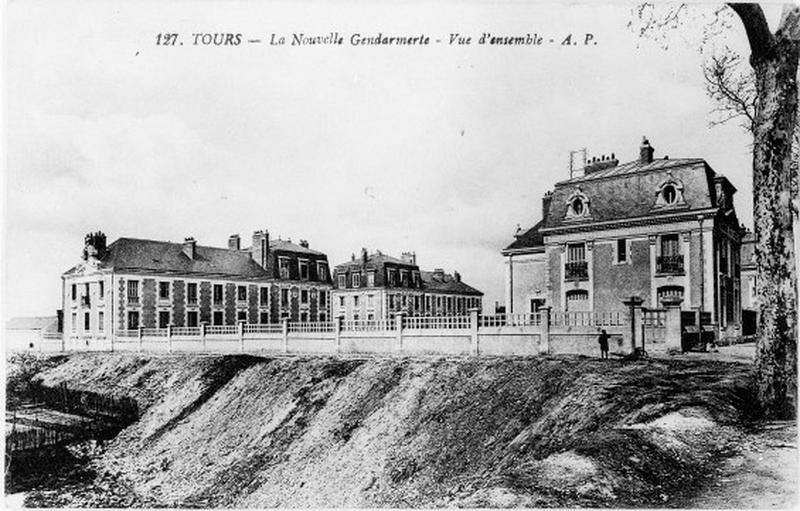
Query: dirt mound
point(258, 432)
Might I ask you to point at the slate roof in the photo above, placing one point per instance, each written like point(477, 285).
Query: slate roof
point(376, 260)
point(168, 257)
point(531, 238)
point(622, 192)
point(288, 246)
point(629, 190)
point(446, 284)
point(46, 323)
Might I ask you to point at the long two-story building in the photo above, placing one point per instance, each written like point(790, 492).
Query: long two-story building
point(376, 286)
point(134, 283)
point(650, 227)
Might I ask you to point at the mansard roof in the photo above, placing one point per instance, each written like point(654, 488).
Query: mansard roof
point(446, 283)
point(630, 191)
point(532, 238)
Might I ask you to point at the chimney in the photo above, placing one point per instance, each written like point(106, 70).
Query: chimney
point(546, 200)
point(352, 257)
point(304, 243)
point(189, 247)
point(364, 256)
point(260, 249)
point(601, 163)
point(646, 151)
point(456, 276)
point(409, 257)
point(94, 245)
point(234, 243)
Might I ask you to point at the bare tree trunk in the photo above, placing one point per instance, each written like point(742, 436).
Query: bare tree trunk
point(776, 111)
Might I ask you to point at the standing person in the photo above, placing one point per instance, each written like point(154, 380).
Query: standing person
point(603, 340)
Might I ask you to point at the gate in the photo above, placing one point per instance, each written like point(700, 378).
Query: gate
point(697, 331)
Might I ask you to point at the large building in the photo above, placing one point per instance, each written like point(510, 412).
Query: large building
point(375, 286)
point(134, 283)
point(650, 227)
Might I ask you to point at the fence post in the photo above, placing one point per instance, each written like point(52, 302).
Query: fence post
point(544, 339)
point(398, 325)
point(203, 335)
point(672, 324)
point(474, 347)
point(141, 334)
point(241, 336)
point(169, 338)
point(285, 330)
point(337, 328)
point(634, 304)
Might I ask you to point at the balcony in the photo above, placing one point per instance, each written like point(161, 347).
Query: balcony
point(133, 298)
point(576, 270)
point(669, 265)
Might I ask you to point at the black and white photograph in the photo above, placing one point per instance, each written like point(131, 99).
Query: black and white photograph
point(403, 254)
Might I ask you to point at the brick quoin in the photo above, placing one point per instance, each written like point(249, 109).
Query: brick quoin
point(178, 301)
point(149, 303)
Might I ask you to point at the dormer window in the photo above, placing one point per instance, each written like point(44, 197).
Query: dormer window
point(670, 193)
point(578, 206)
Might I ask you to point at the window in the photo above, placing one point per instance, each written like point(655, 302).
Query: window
point(191, 292)
point(323, 316)
point(218, 318)
point(355, 317)
point(304, 296)
point(283, 267)
point(322, 272)
point(217, 294)
point(622, 250)
point(241, 316)
point(577, 300)
point(403, 301)
point(370, 301)
point(303, 317)
point(100, 321)
point(191, 318)
point(284, 297)
point(163, 290)
point(74, 292)
point(576, 267)
point(264, 296)
point(371, 279)
point(415, 277)
point(404, 278)
point(391, 277)
point(87, 320)
point(670, 194)
point(370, 316)
point(356, 280)
point(391, 302)
point(101, 291)
point(341, 301)
point(355, 301)
point(416, 303)
point(577, 206)
point(241, 293)
point(323, 298)
point(133, 319)
point(263, 318)
point(670, 260)
point(86, 289)
point(163, 319)
point(342, 281)
point(303, 265)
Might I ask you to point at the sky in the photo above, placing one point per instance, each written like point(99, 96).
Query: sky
point(442, 150)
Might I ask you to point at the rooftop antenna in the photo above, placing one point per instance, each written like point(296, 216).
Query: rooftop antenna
point(577, 171)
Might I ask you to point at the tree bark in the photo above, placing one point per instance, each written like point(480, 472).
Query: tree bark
point(775, 62)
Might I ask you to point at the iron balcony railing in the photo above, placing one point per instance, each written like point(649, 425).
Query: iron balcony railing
point(670, 264)
point(576, 270)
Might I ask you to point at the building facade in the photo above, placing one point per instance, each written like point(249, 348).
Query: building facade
point(650, 227)
point(134, 283)
point(376, 286)
point(750, 301)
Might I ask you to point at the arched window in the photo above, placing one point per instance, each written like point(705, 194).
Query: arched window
point(669, 292)
point(577, 300)
point(669, 193)
point(578, 205)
